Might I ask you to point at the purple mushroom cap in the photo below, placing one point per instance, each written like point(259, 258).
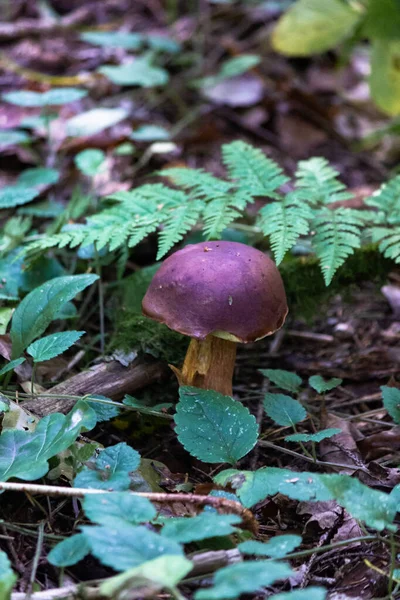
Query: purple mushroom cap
point(223, 288)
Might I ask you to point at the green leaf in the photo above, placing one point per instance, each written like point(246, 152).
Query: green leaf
point(116, 39)
point(376, 509)
point(124, 546)
point(213, 427)
point(276, 547)
point(150, 133)
point(310, 593)
point(91, 161)
point(162, 572)
point(321, 385)
point(38, 177)
point(11, 365)
point(312, 437)
point(110, 470)
point(311, 26)
point(230, 68)
point(104, 412)
point(54, 97)
point(7, 577)
point(95, 120)
point(254, 486)
point(11, 137)
point(382, 19)
point(203, 526)
point(118, 509)
point(40, 307)
point(15, 195)
point(24, 454)
point(385, 75)
point(53, 345)
point(283, 379)
point(140, 72)
point(69, 552)
point(283, 409)
point(391, 401)
point(244, 578)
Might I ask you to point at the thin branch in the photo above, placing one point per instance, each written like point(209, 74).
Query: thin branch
point(231, 506)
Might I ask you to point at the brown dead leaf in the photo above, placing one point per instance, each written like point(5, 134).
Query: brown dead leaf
point(380, 444)
point(342, 447)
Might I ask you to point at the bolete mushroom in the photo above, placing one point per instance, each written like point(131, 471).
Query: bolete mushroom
point(219, 294)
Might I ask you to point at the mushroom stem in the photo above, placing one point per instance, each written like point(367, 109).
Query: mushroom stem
point(209, 364)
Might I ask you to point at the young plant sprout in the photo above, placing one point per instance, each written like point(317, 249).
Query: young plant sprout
point(219, 294)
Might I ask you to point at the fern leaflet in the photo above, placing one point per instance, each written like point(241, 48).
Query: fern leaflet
point(253, 171)
point(319, 183)
point(284, 222)
point(337, 234)
point(180, 221)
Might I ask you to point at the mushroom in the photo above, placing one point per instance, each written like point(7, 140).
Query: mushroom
point(219, 294)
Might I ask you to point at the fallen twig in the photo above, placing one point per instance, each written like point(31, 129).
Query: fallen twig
point(28, 27)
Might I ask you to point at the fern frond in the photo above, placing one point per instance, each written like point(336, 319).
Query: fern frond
point(180, 221)
point(319, 183)
point(337, 234)
point(387, 200)
point(284, 222)
point(253, 172)
point(389, 241)
point(202, 184)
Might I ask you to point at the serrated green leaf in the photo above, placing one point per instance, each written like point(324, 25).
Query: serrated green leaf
point(382, 19)
point(110, 470)
point(69, 552)
point(90, 161)
point(321, 385)
point(283, 409)
point(311, 26)
point(243, 578)
point(276, 547)
point(118, 509)
point(104, 412)
point(312, 437)
point(213, 427)
point(25, 454)
point(254, 486)
point(7, 577)
point(95, 120)
point(201, 527)
point(53, 345)
point(310, 593)
point(40, 307)
point(11, 365)
point(283, 379)
point(162, 572)
point(376, 509)
point(150, 133)
point(391, 401)
point(124, 546)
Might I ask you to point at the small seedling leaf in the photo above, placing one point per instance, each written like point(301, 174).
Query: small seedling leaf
point(313, 437)
point(283, 379)
point(284, 410)
point(213, 427)
point(11, 365)
point(321, 385)
point(91, 161)
point(110, 470)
